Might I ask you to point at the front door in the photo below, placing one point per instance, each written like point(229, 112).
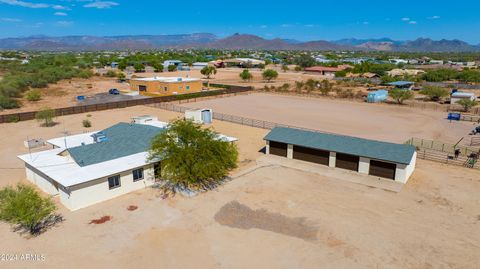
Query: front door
point(157, 169)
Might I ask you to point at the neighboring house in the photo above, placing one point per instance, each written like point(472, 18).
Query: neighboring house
point(166, 85)
point(376, 158)
point(326, 71)
point(177, 63)
point(93, 167)
point(404, 72)
point(457, 96)
point(244, 62)
point(199, 65)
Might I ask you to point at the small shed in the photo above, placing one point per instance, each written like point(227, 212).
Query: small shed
point(457, 96)
point(377, 96)
point(200, 116)
point(404, 85)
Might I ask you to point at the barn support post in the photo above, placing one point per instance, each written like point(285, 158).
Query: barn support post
point(290, 151)
point(364, 165)
point(267, 147)
point(332, 159)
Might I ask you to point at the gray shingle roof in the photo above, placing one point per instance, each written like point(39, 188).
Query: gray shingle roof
point(124, 139)
point(397, 153)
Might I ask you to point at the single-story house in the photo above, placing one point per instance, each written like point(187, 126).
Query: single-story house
point(325, 70)
point(244, 62)
point(177, 63)
point(166, 85)
point(89, 168)
point(199, 65)
point(404, 72)
point(376, 158)
point(457, 96)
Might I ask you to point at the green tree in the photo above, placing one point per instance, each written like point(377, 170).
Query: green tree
point(192, 157)
point(208, 71)
point(139, 67)
point(269, 75)
point(285, 68)
point(467, 104)
point(122, 65)
point(110, 74)
point(33, 95)
point(172, 68)
point(24, 207)
point(325, 87)
point(245, 75)
point(401, 95)
point(434, 93)
point(121, 76)
point(45, 115)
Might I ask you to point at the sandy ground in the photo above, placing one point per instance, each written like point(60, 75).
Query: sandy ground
point(433, 222)
point(373, 121)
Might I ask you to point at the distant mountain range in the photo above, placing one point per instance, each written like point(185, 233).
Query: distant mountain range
point(236, 41)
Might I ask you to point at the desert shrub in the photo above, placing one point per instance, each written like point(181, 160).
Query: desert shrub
point(245, 75)
point(8, 102)
point(172, 68)
point(269, 75)
point(45, 115)
point(24, 207)
point(347, 93)
point(192, 157)
point(208, 71)
point(33, 95)
point(86, 123)
point(13, 118)
point(467, 104)
point(110, 74)
point(434, 93)
point(401, 95)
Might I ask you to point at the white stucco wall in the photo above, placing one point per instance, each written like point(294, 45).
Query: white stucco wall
point(364, 165)
point(89, 193)
point(290, 151)
point(267, 148)
point(42, 181)
point(403, 172)
point(332, 159)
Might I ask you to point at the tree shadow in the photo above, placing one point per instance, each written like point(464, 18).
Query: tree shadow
point(49, 222)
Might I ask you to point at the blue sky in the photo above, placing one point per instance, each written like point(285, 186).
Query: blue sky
point(298, 19)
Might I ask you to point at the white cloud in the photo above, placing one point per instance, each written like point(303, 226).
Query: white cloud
point(365, 23)
point(309, 25)
point(405, 19)
point(10, 20)
point(32, 5)
point(60, 14)
point(434, 18)
point(263, 26)
point(412, 22)
point(101, 4)
point(64, 23)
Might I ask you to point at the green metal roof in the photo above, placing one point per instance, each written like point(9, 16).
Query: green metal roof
point(391, 152)
point(123, 139)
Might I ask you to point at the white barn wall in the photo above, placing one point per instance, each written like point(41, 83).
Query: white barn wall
point(43, 182)
point(89, 193)
point(364, 165)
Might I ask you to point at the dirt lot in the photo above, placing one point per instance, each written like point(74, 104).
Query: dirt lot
point(63, 93)
point(288, 218)
point(373, 121)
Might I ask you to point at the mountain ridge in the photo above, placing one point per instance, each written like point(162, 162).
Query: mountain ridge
point(236, 41)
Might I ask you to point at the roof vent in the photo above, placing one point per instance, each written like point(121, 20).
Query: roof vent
point(99, 137)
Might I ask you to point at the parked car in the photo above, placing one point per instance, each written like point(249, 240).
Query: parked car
point(114, 91)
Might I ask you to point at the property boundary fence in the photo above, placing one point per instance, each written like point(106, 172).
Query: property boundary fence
point(443, 157)
point(441, 146)
point(22, 116)
point(407, 104)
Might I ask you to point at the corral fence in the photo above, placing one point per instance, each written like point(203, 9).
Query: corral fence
point(445, 153)
point(228, 90)
point(407, 104)
point(452, 85)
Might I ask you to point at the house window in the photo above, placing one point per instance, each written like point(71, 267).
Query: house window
point(187, 88)
point(114, 182)
point(142, 88)
point(165, 89)
point(137, 174)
